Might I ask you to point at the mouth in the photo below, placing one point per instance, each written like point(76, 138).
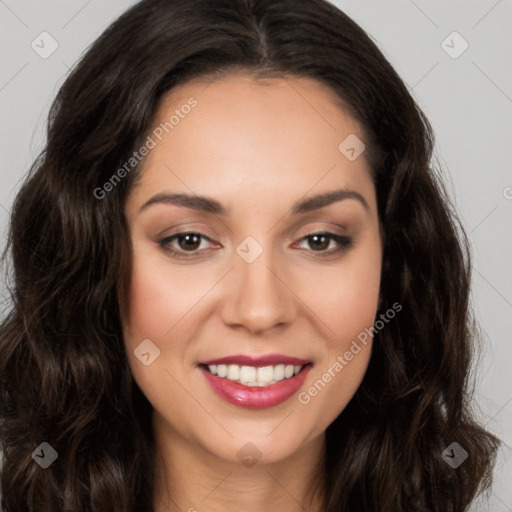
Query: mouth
point(255, 383)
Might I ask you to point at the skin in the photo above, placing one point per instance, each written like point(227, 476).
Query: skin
point(257, 148)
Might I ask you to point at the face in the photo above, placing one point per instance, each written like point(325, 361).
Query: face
point(247, 297)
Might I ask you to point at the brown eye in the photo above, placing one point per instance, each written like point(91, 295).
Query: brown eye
point(182, 243)
point(189, 241)
point(320, 242)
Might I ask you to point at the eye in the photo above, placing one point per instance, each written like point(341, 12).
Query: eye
point(187, 242)
point(190, 242)
point(321, 241)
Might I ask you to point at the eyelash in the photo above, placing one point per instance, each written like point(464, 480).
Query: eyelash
point(344, 243)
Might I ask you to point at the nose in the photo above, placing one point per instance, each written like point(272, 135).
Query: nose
point(258, 296)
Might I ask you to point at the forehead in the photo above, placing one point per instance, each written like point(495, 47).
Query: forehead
point(240, 103)
point(238, 133)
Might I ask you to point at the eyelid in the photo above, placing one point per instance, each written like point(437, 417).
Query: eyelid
point(185, 227)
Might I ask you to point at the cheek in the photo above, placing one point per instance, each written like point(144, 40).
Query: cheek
point(154, 308)
point(345, 300)
point(158, 298)
point(163, 306)
point(344, 296)
point(147, 318)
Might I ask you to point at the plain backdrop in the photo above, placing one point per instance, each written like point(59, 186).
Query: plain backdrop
point(455, 57)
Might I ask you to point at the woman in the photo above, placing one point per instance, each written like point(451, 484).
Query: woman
point(309, 350)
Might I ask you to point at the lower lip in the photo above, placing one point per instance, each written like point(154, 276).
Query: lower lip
point(255, 397)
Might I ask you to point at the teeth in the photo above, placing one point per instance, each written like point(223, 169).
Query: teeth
point(255, 376)
point(247, 374)
point(288, 371)
point(233, 372)
point(266, 374)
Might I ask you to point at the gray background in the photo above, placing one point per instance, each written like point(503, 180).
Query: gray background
point(468, 100)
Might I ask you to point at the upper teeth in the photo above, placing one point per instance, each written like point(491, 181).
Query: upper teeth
point(252, 376)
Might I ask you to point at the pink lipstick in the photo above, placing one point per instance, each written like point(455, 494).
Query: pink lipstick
point(255, 382)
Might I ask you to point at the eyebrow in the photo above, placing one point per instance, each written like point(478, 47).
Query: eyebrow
point(209, 205)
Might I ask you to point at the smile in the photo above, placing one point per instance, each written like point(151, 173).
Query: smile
point(246, 383)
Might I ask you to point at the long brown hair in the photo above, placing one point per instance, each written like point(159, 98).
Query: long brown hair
point(64, 377)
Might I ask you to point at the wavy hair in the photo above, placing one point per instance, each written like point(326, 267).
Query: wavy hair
point(64, 375)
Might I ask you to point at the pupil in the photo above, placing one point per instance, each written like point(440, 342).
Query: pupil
point(187, 238)
point(323, 245)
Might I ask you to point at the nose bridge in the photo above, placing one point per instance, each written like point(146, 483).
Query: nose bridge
point(258, 297)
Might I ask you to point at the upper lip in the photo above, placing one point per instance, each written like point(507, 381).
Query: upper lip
point(265, 360)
